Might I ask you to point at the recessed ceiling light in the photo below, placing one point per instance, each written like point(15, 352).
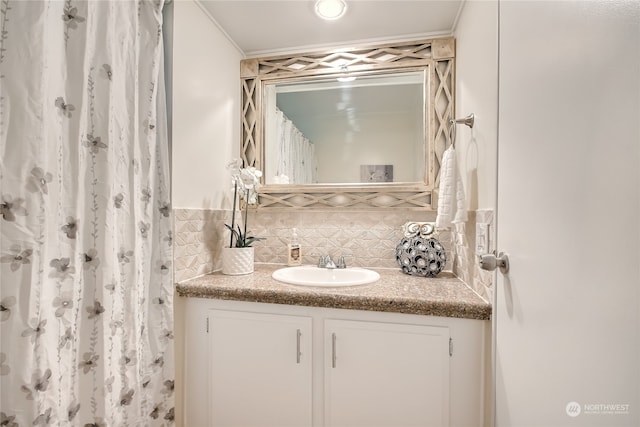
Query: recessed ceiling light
point(330, 9)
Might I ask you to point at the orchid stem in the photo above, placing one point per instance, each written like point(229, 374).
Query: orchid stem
point(246, 214)
point(233, 212)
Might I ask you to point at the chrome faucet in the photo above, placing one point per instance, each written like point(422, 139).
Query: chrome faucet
point(327, 262)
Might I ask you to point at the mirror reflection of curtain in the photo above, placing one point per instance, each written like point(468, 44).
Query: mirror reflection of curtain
point(296, 153)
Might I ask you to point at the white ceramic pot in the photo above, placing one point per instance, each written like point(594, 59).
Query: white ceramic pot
point(236, 261)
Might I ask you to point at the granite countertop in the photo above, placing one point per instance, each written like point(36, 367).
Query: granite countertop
point(396, 292)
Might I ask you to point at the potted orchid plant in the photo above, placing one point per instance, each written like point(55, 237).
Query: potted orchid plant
point(238, 257)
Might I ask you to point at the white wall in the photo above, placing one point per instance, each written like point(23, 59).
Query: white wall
point(206, 109)
point(206, 128)
point(477, 92)
point(382, 139)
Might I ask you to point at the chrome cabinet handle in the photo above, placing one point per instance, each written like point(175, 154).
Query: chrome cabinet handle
point(333, 350)
point(298, 352)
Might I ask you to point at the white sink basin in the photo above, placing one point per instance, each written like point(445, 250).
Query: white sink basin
point(307, 275)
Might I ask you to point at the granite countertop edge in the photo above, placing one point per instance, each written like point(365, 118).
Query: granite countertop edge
point(445, 296)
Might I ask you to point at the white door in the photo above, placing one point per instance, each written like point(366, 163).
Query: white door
point(385, 374)
point(567, 324)
point(260, 370)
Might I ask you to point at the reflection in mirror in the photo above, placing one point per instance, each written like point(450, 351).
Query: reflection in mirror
point(370, 129)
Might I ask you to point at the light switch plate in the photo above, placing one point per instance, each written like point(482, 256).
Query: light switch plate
point(482, 238)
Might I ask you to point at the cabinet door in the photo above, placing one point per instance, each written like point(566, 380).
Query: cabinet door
point(260, 370)
point(382, 374)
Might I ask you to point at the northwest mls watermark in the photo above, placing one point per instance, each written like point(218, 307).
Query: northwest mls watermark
point(574, 409)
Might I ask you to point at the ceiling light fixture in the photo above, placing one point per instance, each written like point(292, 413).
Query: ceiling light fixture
point(330, 9)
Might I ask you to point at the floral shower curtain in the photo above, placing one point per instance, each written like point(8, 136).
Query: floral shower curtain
point(85, 264)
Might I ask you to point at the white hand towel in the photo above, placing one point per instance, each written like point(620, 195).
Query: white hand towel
point(451, 203)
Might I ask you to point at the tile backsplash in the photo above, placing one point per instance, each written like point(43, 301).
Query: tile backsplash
point(466, 265)
point(197, 241)
point(365, 238)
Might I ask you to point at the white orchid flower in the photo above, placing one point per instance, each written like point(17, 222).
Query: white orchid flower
point(250, 178)
point(234, 165)
point(245, 182)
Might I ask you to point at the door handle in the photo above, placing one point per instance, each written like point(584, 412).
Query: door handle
point(491, 262)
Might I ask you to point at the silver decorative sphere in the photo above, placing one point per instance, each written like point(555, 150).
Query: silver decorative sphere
point(421, 256)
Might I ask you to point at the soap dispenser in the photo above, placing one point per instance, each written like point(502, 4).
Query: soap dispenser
point(294, 251)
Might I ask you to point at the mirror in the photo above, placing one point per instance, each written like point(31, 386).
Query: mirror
point(351, 130)
point(375, 142)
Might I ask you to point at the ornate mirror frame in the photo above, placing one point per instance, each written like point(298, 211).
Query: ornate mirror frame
point(436, 55)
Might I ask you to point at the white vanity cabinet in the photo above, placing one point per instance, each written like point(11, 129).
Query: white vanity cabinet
point(257, 364)
point(260, 369)
point(385, 374)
